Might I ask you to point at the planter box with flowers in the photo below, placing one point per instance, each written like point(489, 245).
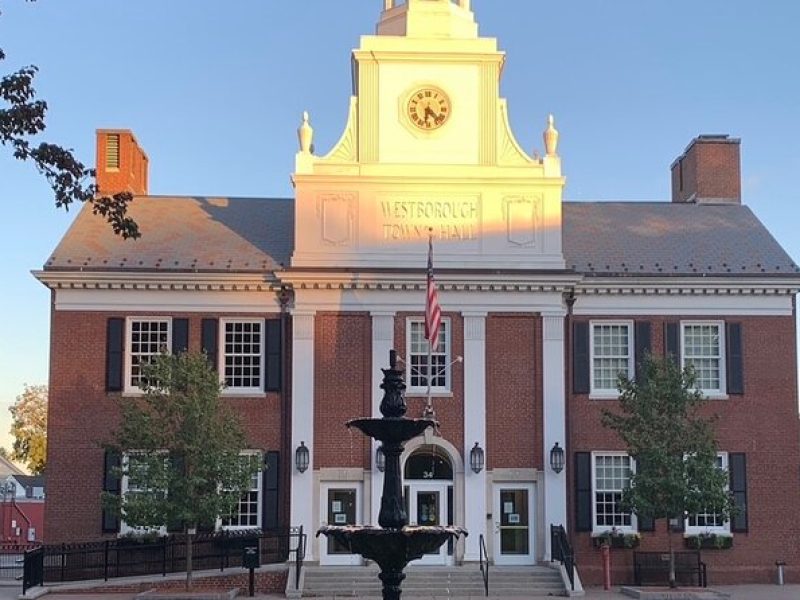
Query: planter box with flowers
point(616, 539)
point(708, 541)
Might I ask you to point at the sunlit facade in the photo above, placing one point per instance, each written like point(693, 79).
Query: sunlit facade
point(299, 301)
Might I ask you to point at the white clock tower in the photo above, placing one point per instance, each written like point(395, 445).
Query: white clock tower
point(428, 147)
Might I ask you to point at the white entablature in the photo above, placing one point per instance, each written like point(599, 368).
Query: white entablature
point(428, 149)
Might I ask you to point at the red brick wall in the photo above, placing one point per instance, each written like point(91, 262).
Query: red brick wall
point(710, 170)
point(449, 409)
point(82, 416)
point(132, 175)
point(342, 388)
point(513, 391)
point(265, 582)
point(763, 423)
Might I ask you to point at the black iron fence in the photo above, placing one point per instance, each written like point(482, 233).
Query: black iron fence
point(562, 551)
point(124, 557)
point(11, 558)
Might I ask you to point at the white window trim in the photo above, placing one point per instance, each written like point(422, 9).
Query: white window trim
point(721, 393)
point(598, 529)
point(613, 392)
point(124, 528)
point(447, 389)
point(725, 528)
point(127, 388)
point(259, 505)
point(240, 391)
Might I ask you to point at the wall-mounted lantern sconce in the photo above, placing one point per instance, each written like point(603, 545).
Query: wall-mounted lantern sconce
point(301, 458)
point(557, 458)
point(476, 458)
point(380, 460)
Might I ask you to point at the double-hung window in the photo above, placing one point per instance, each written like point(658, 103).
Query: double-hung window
point(702, 347)
point(138, 481)
point(242, 356)
point(247, 513)
point(147, 338)
point(611, 355)
point(418, 368)
point(710, 521)
point(611, 475)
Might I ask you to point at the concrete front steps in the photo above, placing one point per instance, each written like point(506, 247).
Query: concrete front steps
point(504, 582)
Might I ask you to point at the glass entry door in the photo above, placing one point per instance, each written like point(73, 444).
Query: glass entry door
point(340, 505)
point(513, 524)
point(427, 505)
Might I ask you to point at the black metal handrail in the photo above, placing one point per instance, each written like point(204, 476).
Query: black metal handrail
point(561, 551)
point(299, 553)
point(484, 560)
point(125, 557)
point(32, 569)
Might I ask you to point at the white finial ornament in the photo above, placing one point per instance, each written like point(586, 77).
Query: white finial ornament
point(305, 134)
point(550, 138)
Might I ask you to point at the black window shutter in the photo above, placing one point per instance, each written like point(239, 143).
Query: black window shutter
point(209, 340)
point(737, 469)
point(734, 367)
point(672, 342)
point(111, 485)
point(180, 335)
point(644, 523)
point(583, 491)
point(179, 464)
point(272, 355)
point(678, 523)
point(115, 352)
point(580, 358)
point(642, 343)
point(271, 496)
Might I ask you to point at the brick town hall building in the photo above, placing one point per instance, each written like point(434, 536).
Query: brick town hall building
point(299, 300)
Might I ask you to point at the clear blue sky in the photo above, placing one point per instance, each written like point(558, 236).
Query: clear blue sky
point(214, 92)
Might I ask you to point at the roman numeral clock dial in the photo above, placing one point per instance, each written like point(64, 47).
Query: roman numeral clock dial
point(428, 108)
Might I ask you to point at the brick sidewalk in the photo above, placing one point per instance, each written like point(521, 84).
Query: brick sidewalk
point(737, 592)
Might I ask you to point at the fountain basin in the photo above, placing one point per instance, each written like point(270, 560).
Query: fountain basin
point(392, 549)
point(392, 429)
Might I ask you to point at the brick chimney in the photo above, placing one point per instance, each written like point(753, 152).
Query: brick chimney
point(708, 171)
point(122, 166)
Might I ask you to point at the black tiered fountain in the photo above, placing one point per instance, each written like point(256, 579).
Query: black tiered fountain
point(394, 544)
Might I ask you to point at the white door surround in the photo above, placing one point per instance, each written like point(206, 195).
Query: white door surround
point(340, 504)
point(514, 506)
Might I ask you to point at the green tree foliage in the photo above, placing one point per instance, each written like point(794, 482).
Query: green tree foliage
point(22, 117)
point(672, 444)
point(29, 428)
point(182, 448)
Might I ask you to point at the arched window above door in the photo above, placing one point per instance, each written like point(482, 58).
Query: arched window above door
point(428, 463)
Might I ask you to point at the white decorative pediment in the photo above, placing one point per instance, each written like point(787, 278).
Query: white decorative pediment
point(337, 214)
point(510, 152)
point(345, 148)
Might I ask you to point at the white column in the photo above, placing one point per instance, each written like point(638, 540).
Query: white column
point(555, 485)
point(382, 342)
point(302, 491)
point(474, 430)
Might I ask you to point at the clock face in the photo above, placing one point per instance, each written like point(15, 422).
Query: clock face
point(428, 108)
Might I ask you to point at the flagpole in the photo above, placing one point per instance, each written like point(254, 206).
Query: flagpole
point(429, 406)
point(428, 412)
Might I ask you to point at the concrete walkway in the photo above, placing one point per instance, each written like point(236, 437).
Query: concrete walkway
point(737, 592)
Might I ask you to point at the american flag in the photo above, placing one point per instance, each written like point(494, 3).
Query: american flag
point(433, 314)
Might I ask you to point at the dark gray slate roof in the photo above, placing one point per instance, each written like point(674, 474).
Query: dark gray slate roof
point(184, 234)
point(257, 235)
point(662, 238)
point(30, 481)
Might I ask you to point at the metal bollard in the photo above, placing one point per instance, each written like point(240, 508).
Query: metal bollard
point(780, 564)
point(605, 552)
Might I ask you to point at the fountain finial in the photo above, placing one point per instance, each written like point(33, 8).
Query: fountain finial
point(393, 404)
